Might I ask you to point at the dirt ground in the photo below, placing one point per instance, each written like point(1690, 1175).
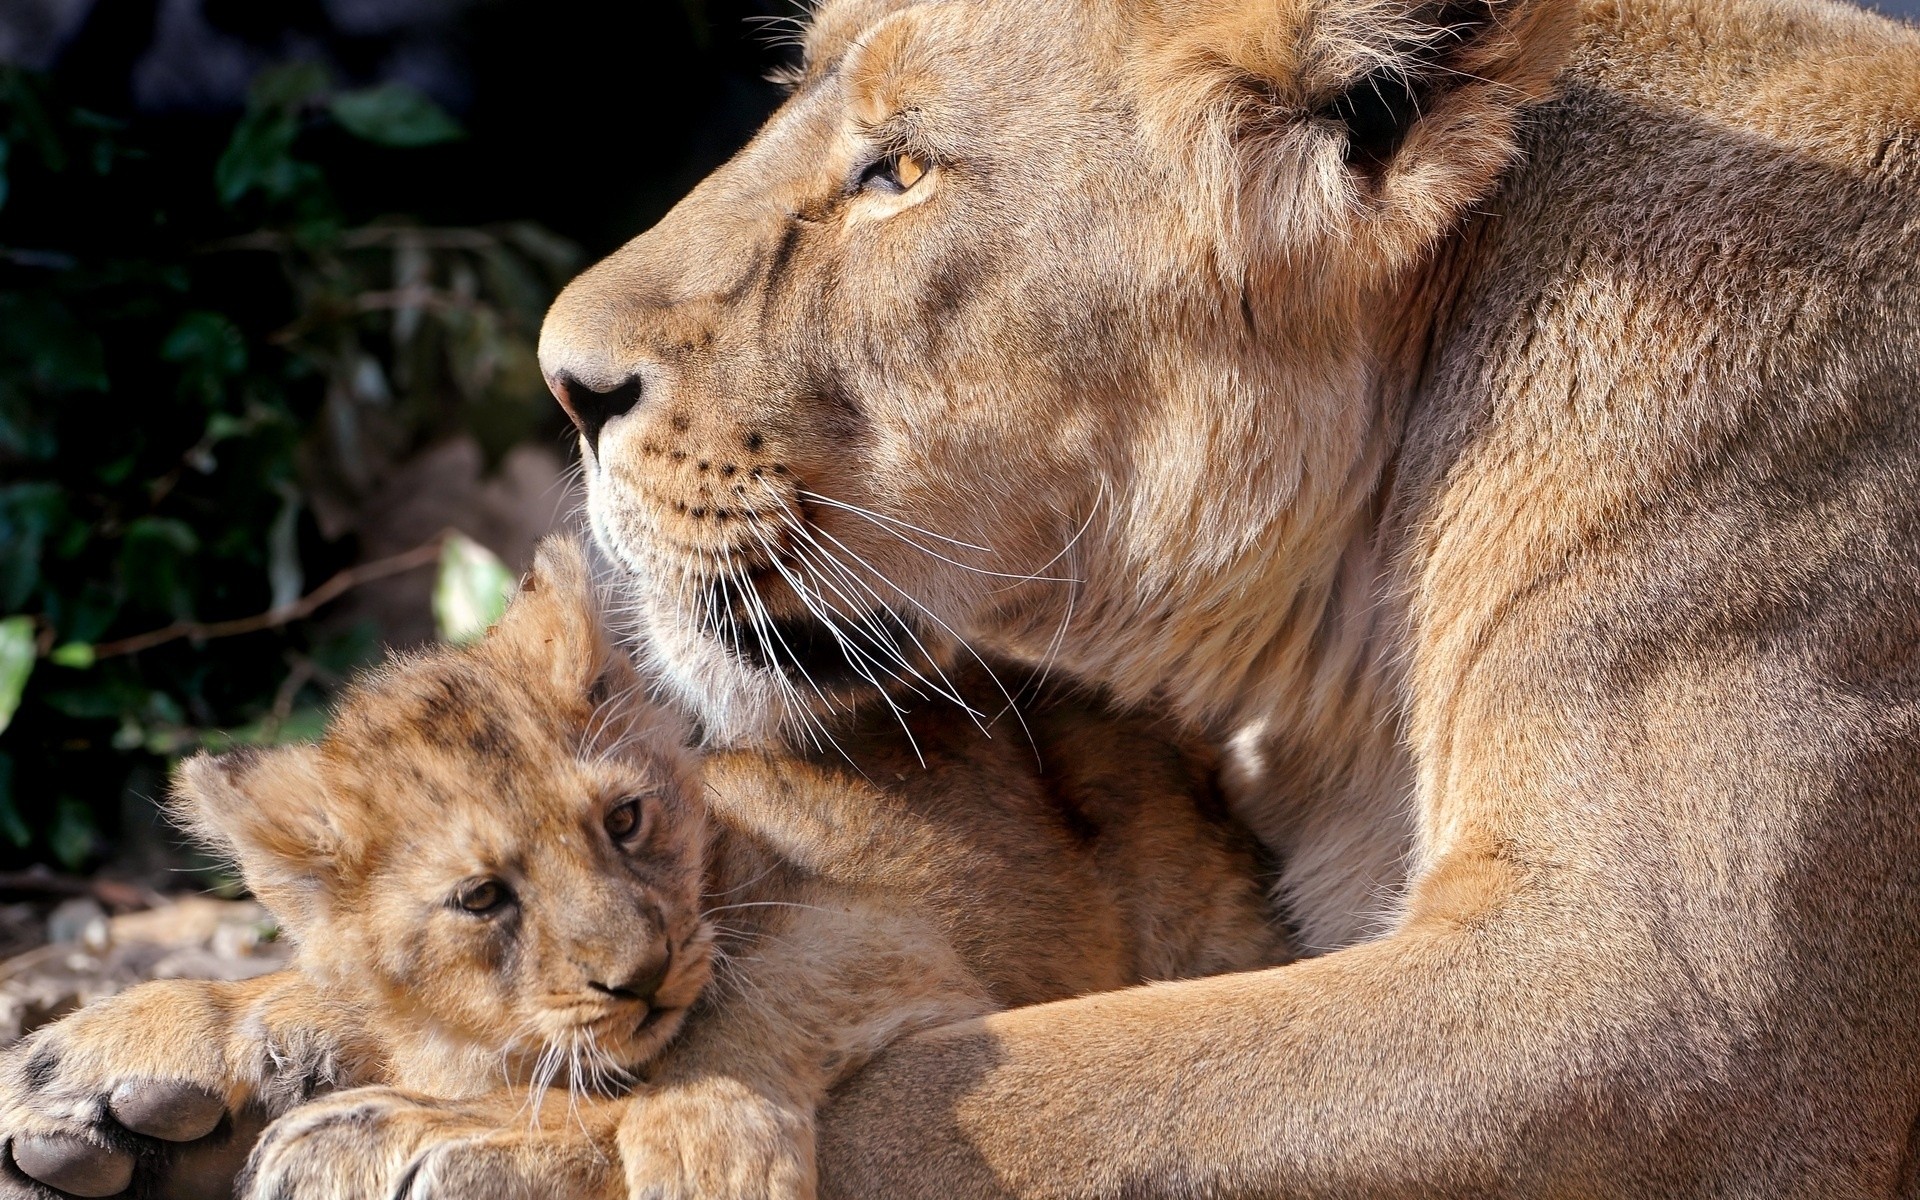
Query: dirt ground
point(67, 942)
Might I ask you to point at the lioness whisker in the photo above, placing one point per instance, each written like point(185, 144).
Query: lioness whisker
point(858, 615)
point(816, 605)
point(544, 1069)
point(827, 557)
point(763, 623)
point(884, 520)
point(1073, 580)
point(814, 727)
point(949, 630)
point(767, 904)
point(1058, 640)
point(847, 649)
point(811, 557)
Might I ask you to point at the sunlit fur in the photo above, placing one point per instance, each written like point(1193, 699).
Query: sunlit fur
point(820, 904)
point(1527, 500)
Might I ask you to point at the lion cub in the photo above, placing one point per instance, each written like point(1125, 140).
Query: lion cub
point(505, 877)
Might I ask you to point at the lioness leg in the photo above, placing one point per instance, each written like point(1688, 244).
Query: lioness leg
point(126, 1081)
point(1515, 1055)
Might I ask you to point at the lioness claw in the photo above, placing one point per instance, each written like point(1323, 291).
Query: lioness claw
point(169, 1110)
point(74, 1166)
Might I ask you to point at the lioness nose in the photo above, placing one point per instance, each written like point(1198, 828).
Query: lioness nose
point(592, 410)
point(645, 981)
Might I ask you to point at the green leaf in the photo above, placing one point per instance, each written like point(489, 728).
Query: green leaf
point(20, 93)
point(307, 724)
point(472, 590)
point(73, 835)
point(155, 563)
point(343, 650)
point(259, 156)
point(78, 655)
point(59, 352)
point(84, 616)
point(97, 701)
point(394, 114)
point(16, 665)
point(11, 822)
point(28, 513)
point(211, 350)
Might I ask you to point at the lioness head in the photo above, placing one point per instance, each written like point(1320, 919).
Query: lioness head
point(1030, 322)
point(499, 844)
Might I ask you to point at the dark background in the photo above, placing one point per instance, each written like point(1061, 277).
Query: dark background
point(248, 342)
point(271, 273)
point(588, 115)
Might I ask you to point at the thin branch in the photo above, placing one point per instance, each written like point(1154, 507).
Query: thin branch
point(286, 614)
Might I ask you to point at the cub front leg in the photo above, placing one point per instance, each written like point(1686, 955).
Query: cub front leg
point(717, 1139)
point(165, 1081)
point(382, 1142)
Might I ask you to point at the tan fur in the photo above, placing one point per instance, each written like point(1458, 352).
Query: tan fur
point(812, 909)
point(1527, 502)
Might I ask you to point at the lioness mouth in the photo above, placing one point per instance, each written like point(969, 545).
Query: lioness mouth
point(830, 651)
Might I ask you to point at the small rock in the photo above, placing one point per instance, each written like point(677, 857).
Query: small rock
point(80, 921)
point(93, 956)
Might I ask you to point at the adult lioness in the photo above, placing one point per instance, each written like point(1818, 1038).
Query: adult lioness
point(1543, 454)
point(1555, 464)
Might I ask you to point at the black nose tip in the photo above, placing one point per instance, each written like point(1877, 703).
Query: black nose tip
point(644, 983)
point(592, 410)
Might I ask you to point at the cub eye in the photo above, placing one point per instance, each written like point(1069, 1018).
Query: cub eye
point(483, 897)
point(893, 174)
point(624, 822)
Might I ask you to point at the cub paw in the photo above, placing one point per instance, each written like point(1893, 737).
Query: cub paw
point(84, 1108)
point(382, 1142)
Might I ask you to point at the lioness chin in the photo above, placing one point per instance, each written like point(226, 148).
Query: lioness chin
point(545, 952)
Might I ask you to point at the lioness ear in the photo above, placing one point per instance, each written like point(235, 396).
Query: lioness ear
point(267, 811)
point(1362, 126)
point(553, 624)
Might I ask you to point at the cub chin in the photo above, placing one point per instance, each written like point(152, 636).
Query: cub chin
point(544, 950)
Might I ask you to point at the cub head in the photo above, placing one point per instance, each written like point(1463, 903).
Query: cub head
point(1052, 324)
point(501, 846)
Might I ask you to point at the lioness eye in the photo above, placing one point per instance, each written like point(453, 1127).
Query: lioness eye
point(624, 820)
point(894, 174)
point(483, 896)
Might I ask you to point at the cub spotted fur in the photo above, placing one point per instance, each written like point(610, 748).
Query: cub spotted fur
point(502, 872)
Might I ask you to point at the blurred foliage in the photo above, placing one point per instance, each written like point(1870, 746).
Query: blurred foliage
point(471, 592)
point(206, 366)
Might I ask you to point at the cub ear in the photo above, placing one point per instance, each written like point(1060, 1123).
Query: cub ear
point(554, 626)
point(268, 812)
point(1368, 124)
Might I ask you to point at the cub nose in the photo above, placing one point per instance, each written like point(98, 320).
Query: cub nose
point(591, 410)
point(645, 981)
